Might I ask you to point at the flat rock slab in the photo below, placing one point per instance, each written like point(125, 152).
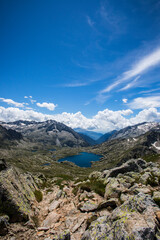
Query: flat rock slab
point(54, 205)
point(51, 219)
point(89, 207)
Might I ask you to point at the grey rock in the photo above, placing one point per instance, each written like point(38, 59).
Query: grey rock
point(59, 194)
point(16, 194)
point(54, 205)
point(133, 165)
point(4, 219)
point(113, 188)
point(88, 207)
point(42, 228)
point(135, 219)
point(156, 197)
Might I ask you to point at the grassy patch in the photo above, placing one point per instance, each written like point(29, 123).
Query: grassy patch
point(38, 195)
point(95, 185)
point(152, 158)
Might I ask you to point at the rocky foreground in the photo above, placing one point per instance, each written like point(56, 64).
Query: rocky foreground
point(117, 204)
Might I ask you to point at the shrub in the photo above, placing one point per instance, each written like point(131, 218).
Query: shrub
point(38, 195)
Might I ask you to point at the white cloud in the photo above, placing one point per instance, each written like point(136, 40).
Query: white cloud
point(124, 100)
point(145, 102)
point(25, 97)
point(49, 106)
point(11, 102)
point(32, 101)
point(144, 64)
point(104, 121)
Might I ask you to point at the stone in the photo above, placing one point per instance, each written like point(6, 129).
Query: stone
point(144, 179)
point(16, 194)
point(133, 165)
point(59, 194)
point(112, 202)
point(124, 197)
point(51, 219)
point(4, 222)
point(88, 207)
point(54, 205)
point(156, 197)
point(78, 224)
point(43, 229)
point(113, 188)
point(135, 219)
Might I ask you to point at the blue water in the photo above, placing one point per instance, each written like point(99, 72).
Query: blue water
point(83, 159)
point(46, 164)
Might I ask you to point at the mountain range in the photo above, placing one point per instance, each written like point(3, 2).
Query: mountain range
point(48, 133)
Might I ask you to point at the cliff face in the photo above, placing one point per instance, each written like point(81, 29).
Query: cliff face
point(16, 193)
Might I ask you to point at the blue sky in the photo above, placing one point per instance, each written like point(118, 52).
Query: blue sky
point(85, 63)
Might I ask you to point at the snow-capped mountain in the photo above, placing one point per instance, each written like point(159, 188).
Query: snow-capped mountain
point(135, 131)
point(48, 132)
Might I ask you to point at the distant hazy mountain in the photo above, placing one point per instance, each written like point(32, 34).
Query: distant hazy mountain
point(89, 140)
point(93, 135)
point(105, 137)
point(49, 132)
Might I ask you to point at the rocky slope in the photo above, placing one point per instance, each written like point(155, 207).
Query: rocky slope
point(121, 203)
point(48, 133)
point(117, 151)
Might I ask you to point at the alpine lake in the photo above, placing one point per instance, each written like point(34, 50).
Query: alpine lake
point(83, 159)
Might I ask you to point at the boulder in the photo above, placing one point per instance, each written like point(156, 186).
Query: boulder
point(16, 194)
point(50, 220)
point(54, 205)
point(156, 197)
point(4, 219)
point(88, 207)
point(135, 219)
point(133, 165)
point(113, 188)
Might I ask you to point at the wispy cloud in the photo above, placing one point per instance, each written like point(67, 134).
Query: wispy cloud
point(49, 106)
point(76, 84)
point(11, 102)
point(90, 22)
point(149, 91)
point(130, 85)
point(143, 65)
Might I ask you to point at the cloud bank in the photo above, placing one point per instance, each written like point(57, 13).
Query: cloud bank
point(104, 121)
